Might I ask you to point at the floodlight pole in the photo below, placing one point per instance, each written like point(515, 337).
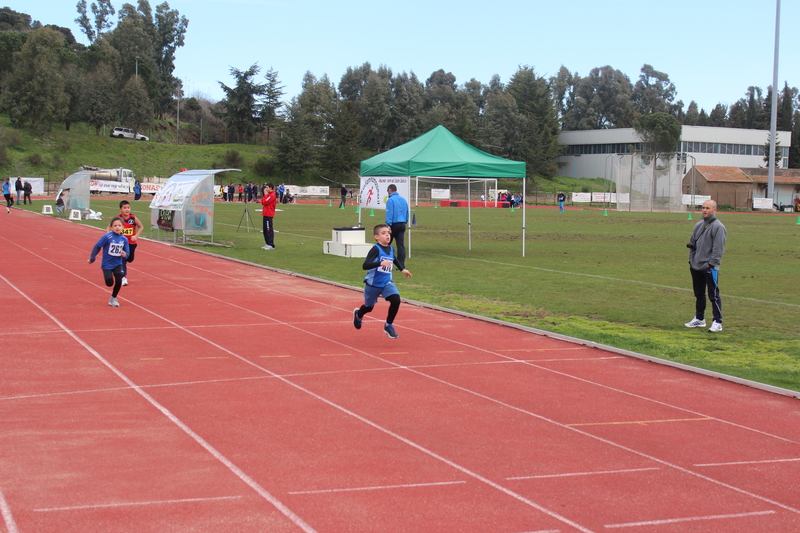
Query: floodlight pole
point(774, 111)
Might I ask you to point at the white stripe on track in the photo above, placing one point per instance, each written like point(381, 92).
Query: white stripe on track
point(688, 519)
point(128, 504)
point(174, 419)
point(8, 518)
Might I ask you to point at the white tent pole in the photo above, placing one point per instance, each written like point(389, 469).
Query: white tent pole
point(523, 215)
point(469, 214)
point(408, 224)
point(358, 198)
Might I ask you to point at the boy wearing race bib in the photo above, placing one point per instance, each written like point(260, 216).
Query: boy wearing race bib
point(378, 282)
point(115, 249)
point(131, 228)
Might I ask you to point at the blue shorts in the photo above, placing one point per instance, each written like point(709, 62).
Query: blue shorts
point(371, 293)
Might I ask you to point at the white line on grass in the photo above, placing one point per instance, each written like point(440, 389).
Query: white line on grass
point(596, 276)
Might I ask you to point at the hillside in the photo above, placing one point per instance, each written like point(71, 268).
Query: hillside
point(58, 153)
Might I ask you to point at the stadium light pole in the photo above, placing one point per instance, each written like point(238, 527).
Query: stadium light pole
point(773, 123)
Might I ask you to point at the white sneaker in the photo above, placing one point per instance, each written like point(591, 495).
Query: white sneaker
point(266, 247)
point(695, 323)
point(124, 281)
point(715, 326)
point(113, 302)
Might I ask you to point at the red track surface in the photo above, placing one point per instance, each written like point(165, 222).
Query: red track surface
point(223, 397)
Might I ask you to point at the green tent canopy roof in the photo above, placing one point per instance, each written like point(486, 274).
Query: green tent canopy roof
point(440, 153)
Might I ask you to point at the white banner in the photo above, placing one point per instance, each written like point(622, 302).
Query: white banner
point(582, 197)
point(150, 188)
point(686, 199)
point(308, 191)
point(440, 194)
point(37, 184)
point(762, 203)
point(109, 186)
point(374, 193)
point(173, 195)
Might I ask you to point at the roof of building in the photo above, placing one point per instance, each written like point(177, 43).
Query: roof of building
point(782, 175)
point(727, 174)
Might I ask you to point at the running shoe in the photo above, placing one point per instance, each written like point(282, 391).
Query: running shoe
point(356, 320)
point(389, 330)
point(124, 281)
point(715, 327)
point(113, 302)
point(695, 323)
point(267, 247)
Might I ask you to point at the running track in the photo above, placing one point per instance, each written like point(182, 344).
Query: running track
point(224, 397)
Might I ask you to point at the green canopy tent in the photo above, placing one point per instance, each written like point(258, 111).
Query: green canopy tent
point(439, 153)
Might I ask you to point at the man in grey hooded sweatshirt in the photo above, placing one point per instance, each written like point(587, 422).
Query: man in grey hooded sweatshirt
point(706, 247)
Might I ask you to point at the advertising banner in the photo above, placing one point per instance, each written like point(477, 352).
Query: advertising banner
point(173, 195)
point(374, 193)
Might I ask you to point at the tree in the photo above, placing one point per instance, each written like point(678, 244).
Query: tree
point(532, 95)
point(135, 109)
point(603, 99)
point(718, 115)
point(340, 156)
point(101, 104)
point(273, 90)
point(375, 110)
point(408, 95)
point(102, 11)
point(690, 119)
point(778, 151)
point(786, 107)
point(35, 92)
point(242, 107)
point(317, 101)
point(661, 132)
point(653, 93)
point(794, 150)
point(76, 87)
point(295, 150)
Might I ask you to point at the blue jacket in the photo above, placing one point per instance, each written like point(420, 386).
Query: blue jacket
point(111, 244)
point(396, 209)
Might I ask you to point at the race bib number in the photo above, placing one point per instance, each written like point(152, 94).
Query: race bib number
point(384, 269)
point(115, 249)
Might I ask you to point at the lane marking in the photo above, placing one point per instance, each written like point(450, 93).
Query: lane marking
point(450, 351)
point(689, 519)
point(543, 349)
point(272, 356)
point(8, 518)
point(751, 462)
point(379, 487)
point(640, 422)
point(216, 357)
point(126, 504)
point(586, 473)
point(393, 353)
point(151, 359)
point(334, 354)
point(252, 483)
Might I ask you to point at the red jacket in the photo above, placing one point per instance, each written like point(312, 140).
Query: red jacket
point(268, 201)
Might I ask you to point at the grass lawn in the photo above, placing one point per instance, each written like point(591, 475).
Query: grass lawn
point(621, 279)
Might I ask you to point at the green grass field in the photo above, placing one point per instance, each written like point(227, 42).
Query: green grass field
point(620, 280)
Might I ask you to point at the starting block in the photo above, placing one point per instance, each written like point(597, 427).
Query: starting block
point(47, 209)
point(75, 214)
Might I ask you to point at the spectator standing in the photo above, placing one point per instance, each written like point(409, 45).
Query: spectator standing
point(343, 193)
point(706, 248)
point(396, 219)
point(27, 190)
point(561, 199)
point(19, 187)
point(268, 214)
point(137, 191)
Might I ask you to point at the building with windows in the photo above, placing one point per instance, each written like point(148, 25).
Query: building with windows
point(588, 152)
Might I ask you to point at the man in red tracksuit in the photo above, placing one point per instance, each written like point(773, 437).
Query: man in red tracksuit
point(268, 211)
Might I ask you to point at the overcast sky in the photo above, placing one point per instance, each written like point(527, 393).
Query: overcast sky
point(711, 50)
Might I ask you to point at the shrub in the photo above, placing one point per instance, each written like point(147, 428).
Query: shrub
point(264, 167)
point(36, 158)
point(233, 158)
point(4, 159)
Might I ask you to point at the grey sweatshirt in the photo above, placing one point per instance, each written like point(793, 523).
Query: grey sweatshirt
point(708, 238)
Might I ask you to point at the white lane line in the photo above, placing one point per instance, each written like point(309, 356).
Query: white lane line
point(126, 504)
point(688, 519)
point(8, 518)
point(379, 487)
point(174, 419)
point(751, 462)
point(585, 473)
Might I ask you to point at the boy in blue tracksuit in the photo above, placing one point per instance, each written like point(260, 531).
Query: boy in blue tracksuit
point(378, 282)
point(115, 249)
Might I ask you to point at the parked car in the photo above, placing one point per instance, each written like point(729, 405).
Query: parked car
point(127, 133)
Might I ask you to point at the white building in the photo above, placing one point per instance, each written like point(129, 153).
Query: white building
point(589, 152)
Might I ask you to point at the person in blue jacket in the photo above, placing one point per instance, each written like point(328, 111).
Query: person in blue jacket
point(115, 249)
point(378, 282)
point(396, 219)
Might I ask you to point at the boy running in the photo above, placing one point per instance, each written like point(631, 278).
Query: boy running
point(132, 228)
point(379, 263)
point(115, 249)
